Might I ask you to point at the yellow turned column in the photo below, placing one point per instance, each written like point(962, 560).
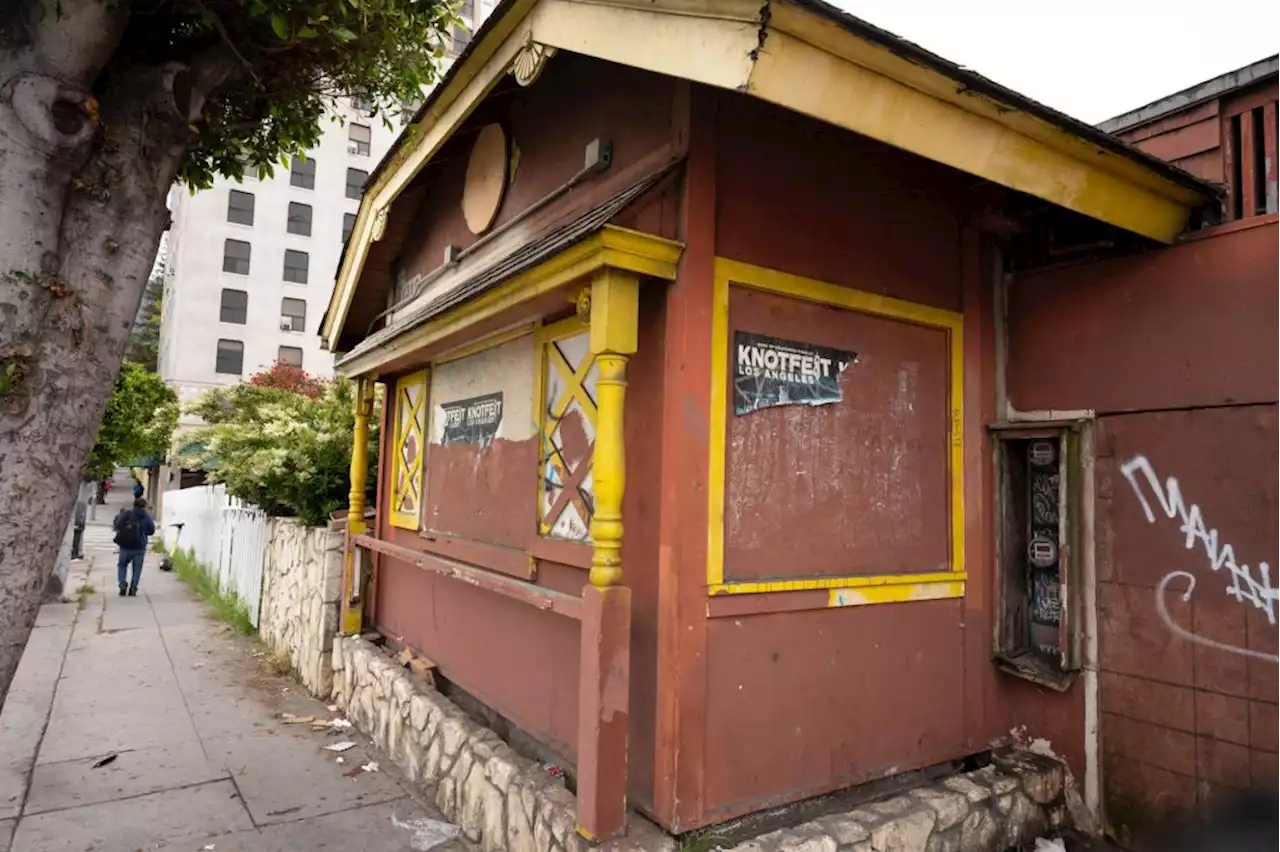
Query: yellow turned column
point(605, 660)
point(352, 604)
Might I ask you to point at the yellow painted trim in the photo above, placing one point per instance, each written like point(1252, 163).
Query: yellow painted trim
point(352, 604)
point(733, 273)
point(758, 587)
point(925, 591)
point(794, 75)
point(611, 247)
point(397, 518)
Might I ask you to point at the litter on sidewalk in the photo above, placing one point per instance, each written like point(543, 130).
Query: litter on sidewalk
point(342, 746)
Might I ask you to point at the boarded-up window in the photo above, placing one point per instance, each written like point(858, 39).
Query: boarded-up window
point(484, 445)
point(856, 485)
point(408, 449)
point(568, 421)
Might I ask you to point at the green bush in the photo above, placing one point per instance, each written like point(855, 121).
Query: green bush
point(287, 452)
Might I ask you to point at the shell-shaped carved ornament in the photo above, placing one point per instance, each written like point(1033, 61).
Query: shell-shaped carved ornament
point(379, 223)
point(530, 61)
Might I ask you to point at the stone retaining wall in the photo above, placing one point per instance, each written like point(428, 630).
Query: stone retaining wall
point(301, 591)
point(503, 801)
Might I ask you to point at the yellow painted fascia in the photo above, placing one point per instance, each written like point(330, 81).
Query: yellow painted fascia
point(489, 60)
point(814, 66)
point(612, 247)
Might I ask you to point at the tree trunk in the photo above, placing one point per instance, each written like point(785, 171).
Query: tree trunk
point(88, 151)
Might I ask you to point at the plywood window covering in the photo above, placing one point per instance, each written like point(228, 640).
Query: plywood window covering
point(853, 589)
point(568, 374)
point(408, 449)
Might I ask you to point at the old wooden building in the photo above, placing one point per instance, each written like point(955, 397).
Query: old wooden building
point(698, 466)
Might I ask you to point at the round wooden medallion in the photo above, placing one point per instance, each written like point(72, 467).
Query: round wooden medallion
point(486, 179)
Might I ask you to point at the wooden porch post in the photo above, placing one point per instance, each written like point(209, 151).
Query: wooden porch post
point(605, 667)
point(352, 603)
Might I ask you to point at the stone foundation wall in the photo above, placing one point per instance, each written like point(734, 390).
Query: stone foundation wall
point(301, 590)
point(504, 802)
point(1003, 806)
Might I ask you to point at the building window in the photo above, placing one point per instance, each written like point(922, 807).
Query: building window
point(359, 139)
point(295, 266)
point(355, 182)
point(409, 446)
point(408, 111)
point(462, 33)
point(290, 355)
point(251, 172)
point(1038, 478)
point(240, 207)
point(348, 225)
point(235, 307)
point(568, 425)
point(302, 172)
point(235, 257)
point(362, 105)
point(230, 358)
point(299, 219)
point(293, 314)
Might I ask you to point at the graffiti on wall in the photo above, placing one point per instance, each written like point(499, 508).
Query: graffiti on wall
point(1242, 582)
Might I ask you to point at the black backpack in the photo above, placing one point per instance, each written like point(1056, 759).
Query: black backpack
point(128, 534)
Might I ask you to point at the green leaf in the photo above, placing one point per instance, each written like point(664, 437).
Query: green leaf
point(307, 32)
point(280, 26)
point(343, 34)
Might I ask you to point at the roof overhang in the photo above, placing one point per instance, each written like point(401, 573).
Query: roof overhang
point(810, 58)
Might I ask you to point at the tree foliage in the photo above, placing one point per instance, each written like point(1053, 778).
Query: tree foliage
point(284, 451)
point(140, 418)
point(144, 342)
point(295, 57)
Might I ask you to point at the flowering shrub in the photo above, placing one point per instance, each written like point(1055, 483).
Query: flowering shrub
point(290, 378)
point(285, 451)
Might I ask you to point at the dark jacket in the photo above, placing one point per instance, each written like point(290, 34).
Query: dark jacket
point(146, 526)
point(137, 489)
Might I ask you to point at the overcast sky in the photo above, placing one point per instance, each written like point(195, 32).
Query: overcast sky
point(1092, 59)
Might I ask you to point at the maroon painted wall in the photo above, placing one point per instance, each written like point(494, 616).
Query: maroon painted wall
point(833, 697)
point(1176, 352)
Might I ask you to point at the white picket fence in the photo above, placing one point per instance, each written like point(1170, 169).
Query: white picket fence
point(227, 536)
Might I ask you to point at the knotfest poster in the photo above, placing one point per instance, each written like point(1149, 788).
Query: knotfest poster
point(768, 372)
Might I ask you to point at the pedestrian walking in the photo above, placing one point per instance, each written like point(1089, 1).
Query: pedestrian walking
point(137, 489)
point(133, 527)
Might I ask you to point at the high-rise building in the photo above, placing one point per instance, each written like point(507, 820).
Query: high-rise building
point(250, 264)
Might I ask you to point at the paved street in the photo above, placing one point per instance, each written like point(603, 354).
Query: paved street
point(186, 727)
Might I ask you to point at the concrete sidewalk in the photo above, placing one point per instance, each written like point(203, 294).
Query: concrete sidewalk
point(187, 726)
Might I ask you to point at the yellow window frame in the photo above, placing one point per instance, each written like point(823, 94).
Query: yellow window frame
point(417, 423)
point(550, 411)
point(846, 590)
